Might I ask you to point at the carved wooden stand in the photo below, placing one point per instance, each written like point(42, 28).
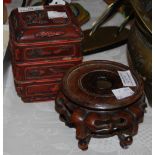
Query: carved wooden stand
point(87, 103)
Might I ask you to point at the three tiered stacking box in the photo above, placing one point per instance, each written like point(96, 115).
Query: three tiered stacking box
point(45, 41)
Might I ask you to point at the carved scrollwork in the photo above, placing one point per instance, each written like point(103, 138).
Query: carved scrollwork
point(46, 52)
point(39, 53)
point(34, 53)
point(63, 111)
point(48, 34)
point(89, 123)
point(44, 72)
point(36, 17)
point(19, 34)
point(15, 22)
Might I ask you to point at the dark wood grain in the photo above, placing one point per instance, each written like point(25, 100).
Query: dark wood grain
point(93, 110)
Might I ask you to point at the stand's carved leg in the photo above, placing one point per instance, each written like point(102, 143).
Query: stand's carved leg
point(125, 141)
point(134, 129)
point(66, 121)
point(64, 114)
point(83, 135)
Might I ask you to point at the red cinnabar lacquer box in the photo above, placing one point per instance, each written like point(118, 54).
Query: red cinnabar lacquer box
point(45, 41)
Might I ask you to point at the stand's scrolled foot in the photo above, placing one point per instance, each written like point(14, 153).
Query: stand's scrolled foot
point(83, 144)
point(125, 141)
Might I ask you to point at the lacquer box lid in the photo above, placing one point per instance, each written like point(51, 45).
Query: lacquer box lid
point(44, 23)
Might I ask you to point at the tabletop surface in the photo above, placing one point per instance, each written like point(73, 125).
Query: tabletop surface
point(35, 129)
